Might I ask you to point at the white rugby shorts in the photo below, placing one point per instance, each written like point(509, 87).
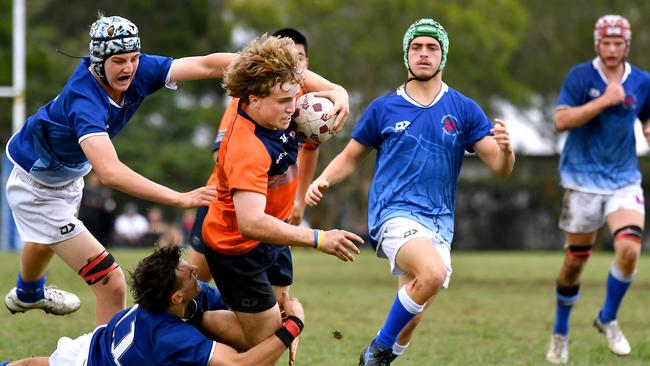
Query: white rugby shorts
point(72, 352)
point(44, 214)
point(584, 212)
point(392, 237)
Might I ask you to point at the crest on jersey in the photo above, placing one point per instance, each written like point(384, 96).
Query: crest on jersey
point(629, 102)
point(450, 125)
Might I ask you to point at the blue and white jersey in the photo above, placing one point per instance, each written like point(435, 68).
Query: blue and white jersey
point(420, 150)
point(600, 156)
point(47, 146)
point(137, 337)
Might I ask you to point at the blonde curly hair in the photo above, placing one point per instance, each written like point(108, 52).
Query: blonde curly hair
point(265, 62)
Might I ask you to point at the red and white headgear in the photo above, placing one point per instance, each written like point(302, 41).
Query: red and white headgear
point(612, 26)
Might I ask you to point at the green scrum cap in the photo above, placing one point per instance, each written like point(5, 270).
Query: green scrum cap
point(426, 27)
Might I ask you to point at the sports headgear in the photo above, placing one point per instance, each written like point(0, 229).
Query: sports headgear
point(426, 27)
point(110, 36)
point(612, 26)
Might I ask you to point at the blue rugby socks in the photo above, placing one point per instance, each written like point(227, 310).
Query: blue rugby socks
point(30, 291)
point(617, 285)
point(566, 298)
point(402, 311)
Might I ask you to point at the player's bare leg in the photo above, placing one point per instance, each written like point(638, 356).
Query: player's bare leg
point(34, 260)
point(404, 337)
point(259, 326)
point(576, 256)
point(428, 272)
point(223, 326)
point(109, 286)
point(627, 229)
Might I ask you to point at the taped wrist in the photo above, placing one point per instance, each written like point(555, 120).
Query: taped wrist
point(289, 330)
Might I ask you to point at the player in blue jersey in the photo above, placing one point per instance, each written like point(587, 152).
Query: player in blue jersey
point(169, 326)
point(68, 137)
point(421, 132)
point(599, 104)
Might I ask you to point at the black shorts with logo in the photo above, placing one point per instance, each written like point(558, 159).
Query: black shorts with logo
point(245, 280)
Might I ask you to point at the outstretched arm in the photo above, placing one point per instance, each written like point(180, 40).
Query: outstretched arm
point(113, 173)
point(256, 224)
point(201, 67)
point(344, 164)
point(495, 151)
point(570, 118)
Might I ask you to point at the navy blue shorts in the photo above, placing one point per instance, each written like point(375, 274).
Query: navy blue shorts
point(245, 280)
point(196, 236)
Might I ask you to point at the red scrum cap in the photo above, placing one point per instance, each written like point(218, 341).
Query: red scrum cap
point(612, 26)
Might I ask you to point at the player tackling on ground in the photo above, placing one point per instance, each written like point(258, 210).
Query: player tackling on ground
point(168, 325)
point(421, 132)
point(599, 103)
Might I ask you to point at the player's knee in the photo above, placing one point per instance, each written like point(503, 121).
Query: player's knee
point(430, 280)
point(577, 255)
point(629, 255)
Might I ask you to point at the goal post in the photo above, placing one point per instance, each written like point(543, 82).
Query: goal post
point(9, 239)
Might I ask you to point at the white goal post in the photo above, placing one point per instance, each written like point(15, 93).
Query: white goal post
point(9, 239)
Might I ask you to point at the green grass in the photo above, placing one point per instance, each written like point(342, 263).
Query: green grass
point(498, 310)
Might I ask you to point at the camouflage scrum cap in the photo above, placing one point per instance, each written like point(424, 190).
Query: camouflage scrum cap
point(110, 36)
point(426, 27)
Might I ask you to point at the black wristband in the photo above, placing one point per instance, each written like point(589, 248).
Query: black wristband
point(285, 336)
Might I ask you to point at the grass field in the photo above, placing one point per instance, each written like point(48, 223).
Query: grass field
point(498, 311)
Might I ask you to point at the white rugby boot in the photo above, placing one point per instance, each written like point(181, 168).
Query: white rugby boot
point(57, 302)
point(616, 340)
point(558, 349)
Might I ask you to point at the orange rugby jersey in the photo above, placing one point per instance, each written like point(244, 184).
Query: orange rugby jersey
point(251, 158)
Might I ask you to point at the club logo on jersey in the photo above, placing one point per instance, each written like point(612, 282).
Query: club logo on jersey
point(401, 126)
point(67, 228)
point(594, 93)
point(450, 125)
point(629, 102)
point(284, 138)
point(282, 155)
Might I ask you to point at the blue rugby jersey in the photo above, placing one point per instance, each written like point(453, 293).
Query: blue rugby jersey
point(47, 146)
point(137, 337)
point(420, 150)
point(600, 156)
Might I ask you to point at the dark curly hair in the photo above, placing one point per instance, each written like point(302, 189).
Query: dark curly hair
point(154, 279)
